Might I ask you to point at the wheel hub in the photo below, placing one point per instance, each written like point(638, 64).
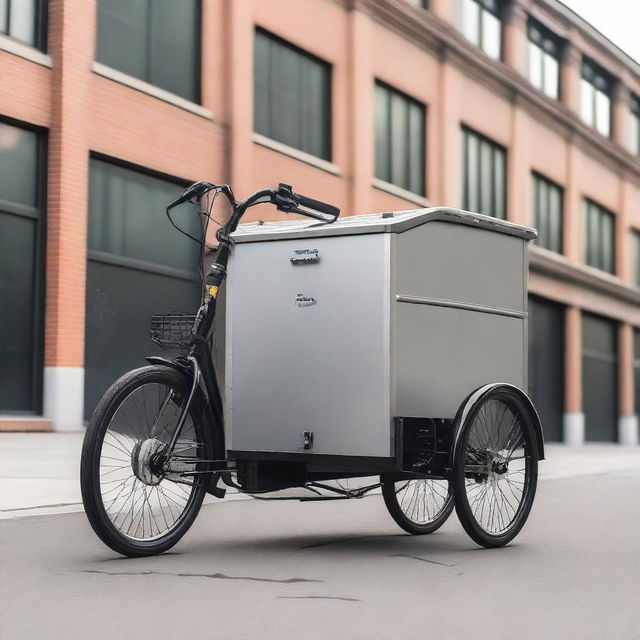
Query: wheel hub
point(499, 465)
point(146, 461)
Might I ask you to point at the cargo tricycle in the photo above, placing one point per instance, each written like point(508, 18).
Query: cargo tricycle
point(376, 352)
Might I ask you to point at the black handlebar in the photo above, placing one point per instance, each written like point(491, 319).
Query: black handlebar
point(322, 207)
point(288, 201)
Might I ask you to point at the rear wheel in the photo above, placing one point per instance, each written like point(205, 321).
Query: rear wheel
point(495, 467)
point(138, 502)
point(418, 506)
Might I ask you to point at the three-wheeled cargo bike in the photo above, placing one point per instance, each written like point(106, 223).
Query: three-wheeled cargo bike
point(383, 351)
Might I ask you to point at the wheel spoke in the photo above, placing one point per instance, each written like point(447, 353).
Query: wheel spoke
point(141, 501)
point(422, 501)
point(496, 465)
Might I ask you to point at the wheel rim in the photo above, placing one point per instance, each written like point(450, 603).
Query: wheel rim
point(422, 501)
point(142, 500)
point(496, 466)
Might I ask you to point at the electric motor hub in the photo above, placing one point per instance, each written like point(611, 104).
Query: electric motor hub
point(146, 461)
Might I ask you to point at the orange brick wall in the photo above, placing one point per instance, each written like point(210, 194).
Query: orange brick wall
point(420, 53)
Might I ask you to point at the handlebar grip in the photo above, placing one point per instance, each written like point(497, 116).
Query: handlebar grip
point(316, 205)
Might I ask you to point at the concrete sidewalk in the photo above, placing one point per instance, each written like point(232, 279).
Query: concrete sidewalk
point(39, 472)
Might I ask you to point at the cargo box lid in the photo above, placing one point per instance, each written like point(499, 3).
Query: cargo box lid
point(387, 222)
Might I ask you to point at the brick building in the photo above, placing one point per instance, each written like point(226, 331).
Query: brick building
point(514, 108)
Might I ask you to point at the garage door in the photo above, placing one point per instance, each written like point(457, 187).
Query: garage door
point(546, 364)
point(138, 265)
point(21, 228)
point(599, 378)
point(636, 369)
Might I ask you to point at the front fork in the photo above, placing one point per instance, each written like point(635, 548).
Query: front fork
point(185, 410)
point(200, 359)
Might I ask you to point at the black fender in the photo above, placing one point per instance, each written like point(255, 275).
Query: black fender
point(182, 364)
point(478, 395)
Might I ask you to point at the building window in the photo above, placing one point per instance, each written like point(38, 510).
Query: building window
point(24, 20)
point(481, 23)
point(21, 229)
point(292, 96)
point(635, 125)
point(547, 213)
point(156, 41)
point(595, 100)
point(599, 237)
point(544, 53)
point(635, 238)
point(484, 175)
point(399, 139)
point(138, 265)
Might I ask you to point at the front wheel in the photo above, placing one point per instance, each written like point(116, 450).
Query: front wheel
point(495, 466)
point(135, 501)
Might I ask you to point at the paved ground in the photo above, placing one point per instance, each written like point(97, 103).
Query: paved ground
point(250, 569)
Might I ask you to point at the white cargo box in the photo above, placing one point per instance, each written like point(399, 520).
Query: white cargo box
point(337, 329)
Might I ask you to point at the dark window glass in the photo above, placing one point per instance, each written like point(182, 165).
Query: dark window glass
point(595, 100)
point(399, 139)
point(24, 20)
point(127, 217)
point(635, 125)
point(547, 213)
point(599, 377)
point(635, 252)
point(544, 54)
point(18, 163)
point(20, 302)
point(292, 96)
point(484, 175)
point(155, 40)
point(139, 265)
point(481, 24)
point(599, 237)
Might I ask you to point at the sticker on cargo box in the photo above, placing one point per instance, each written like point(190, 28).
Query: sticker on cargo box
point(305, 301)
point(305, 256)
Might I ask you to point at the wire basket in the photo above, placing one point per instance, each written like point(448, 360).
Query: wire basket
point(173, 330)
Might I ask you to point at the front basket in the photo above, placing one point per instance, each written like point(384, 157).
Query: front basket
point(173, 330)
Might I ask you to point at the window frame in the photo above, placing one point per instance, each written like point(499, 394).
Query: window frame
point(328, 146)
point(600, 83)
point(146, 76)
point(550, 186)
point(40, 23)
point(128, 261)
point(494, 8)
point(542, 38)
point(408, 100)
point(494, 147)
point(591, 207)
point(38, 213)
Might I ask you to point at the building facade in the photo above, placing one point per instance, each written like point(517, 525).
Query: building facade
point(513, 108)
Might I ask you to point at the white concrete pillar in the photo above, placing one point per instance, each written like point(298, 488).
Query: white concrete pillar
point(628, 433)
point(573, 428)
point(63, 397)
